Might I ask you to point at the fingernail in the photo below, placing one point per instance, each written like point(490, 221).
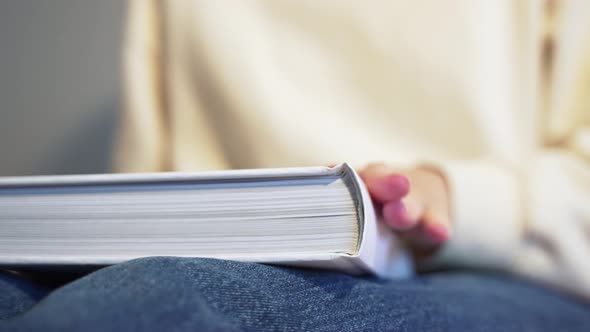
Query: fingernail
point(396, 215)
point(400, 184)
point(439, 232)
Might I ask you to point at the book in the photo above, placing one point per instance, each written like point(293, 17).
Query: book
point(316, 217)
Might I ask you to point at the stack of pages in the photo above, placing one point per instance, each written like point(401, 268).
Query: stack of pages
point(315, 217)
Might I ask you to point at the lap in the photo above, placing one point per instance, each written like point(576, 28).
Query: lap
point(17, 295)
point(181, 294)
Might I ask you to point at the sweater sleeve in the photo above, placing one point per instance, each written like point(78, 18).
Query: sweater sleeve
point(533, 220)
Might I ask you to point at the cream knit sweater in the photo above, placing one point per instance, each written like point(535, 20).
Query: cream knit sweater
point(496, 93)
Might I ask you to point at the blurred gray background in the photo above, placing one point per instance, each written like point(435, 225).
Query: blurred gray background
point(59, 85)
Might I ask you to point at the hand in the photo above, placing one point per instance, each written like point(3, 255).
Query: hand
point(413, 202)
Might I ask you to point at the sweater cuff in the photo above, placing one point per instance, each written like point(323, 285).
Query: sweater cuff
point(485, 213)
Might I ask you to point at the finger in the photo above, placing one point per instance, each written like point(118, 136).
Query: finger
point(434, 224)
point(436, 219)
point(424, 226)
point(384, 185)
point(420, 240)
point(428, 234)
point(405, 214)
point(402, 215)
point(437, 227)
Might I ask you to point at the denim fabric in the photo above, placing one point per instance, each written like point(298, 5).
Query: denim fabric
point(182, 294)
point(17, 295)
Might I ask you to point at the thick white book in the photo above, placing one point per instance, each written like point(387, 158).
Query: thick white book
point(316, 217)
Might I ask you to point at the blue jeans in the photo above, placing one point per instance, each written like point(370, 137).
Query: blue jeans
point(181, 294)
